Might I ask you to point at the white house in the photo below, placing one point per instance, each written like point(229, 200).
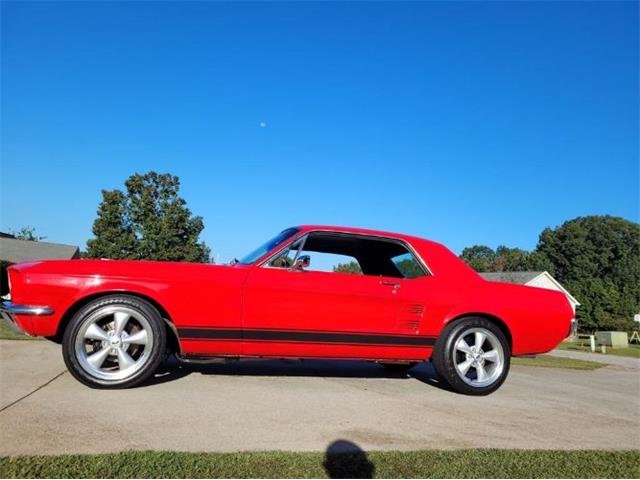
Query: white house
point(532, 279)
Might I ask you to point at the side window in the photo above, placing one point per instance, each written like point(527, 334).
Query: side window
point(354, 254)
point(408, 266)
point(331, 262)
point(352, 267)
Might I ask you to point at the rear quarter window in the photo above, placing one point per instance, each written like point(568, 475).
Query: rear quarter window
point(408, 266)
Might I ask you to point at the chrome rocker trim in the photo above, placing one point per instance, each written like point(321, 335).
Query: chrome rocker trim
point(36, 310)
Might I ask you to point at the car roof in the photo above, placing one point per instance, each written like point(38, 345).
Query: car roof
point(362, 231)
point(438, 258)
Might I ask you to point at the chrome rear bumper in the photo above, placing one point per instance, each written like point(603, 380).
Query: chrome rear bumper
point(13, 309)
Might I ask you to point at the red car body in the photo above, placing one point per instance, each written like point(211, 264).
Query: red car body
point(248, 310)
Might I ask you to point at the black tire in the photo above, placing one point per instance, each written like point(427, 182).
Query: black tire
point(444, 355)
point(142, 310)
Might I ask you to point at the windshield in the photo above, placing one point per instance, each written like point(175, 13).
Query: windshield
point(268, 246)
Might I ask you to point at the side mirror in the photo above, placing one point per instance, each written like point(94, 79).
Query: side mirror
point(304, 261)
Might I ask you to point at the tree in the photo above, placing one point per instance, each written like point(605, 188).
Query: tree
point(27, 233)
point(351, 267)
point(504, 259)
point(114, 230)
point(148, 221)
point(479, 257)
point(597, 258)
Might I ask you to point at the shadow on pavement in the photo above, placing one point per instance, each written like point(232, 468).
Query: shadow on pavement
point(345, 459)
point(174, 369)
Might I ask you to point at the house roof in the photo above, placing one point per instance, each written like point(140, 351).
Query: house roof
point(524, 278)
point(15, 250)
point(510, 277)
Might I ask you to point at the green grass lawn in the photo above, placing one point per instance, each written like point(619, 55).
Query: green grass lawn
point(583, 346)
point(557, 362)
point(11, 332)
point(423, 464)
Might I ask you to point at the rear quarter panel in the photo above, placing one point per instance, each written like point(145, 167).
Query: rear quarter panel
point(537, 319)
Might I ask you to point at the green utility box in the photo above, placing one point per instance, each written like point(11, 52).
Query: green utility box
point(613, 339)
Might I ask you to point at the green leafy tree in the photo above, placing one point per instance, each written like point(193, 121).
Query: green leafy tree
point(479, 257)
point(148, 221)
point(114, 229)
point(503, 259)
point(351, 267)
point(27, 233)
point(597, 258)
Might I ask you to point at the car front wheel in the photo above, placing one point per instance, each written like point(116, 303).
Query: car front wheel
point(114, 342)
point(472, 355)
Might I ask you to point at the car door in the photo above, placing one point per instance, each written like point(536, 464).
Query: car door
point(299, 313)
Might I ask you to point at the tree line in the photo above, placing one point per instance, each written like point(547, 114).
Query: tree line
point(596, 258)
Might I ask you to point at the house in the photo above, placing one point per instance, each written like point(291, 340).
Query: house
point(14, 250)
point(531, 279)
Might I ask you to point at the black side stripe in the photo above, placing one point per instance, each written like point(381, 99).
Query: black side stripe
point(303, 337)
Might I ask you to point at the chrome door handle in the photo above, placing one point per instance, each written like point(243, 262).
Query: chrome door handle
point(387, 283)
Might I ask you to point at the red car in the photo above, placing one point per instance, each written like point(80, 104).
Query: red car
point(401, 300)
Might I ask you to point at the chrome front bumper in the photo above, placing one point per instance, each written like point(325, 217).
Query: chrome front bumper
point(13, 309)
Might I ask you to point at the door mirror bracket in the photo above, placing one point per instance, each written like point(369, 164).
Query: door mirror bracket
point(304, 261)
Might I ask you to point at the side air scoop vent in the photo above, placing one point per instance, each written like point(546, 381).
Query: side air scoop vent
point(411, 317)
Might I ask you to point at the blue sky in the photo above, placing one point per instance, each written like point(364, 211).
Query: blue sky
point(462, 122)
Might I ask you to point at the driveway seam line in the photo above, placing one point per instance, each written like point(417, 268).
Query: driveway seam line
point(32, 392)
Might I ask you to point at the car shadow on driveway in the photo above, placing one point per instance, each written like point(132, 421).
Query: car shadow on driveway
point(173, 369)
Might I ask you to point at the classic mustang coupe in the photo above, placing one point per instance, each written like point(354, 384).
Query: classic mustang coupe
point(402, 300)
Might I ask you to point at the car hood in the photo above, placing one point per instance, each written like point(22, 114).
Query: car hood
point(118, 268)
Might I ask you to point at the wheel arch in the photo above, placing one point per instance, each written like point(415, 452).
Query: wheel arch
point(173, 341)
point(501, 324)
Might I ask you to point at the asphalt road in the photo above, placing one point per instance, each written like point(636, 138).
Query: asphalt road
point(291, 405)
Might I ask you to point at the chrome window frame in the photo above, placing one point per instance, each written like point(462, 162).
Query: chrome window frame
point(427, 271)
point(302, 238)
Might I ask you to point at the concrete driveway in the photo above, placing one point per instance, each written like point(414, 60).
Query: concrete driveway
point(291, 405)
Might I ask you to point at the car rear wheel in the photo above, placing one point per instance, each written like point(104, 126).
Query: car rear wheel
point(114, 342)
point(472, 355)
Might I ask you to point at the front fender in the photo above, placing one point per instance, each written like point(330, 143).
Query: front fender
point(62, 293)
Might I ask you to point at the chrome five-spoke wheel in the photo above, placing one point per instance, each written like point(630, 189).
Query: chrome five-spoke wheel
point(116, 341)
point(472, 355)
point(479, 357)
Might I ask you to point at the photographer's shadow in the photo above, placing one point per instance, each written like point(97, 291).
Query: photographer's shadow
point(345, 459)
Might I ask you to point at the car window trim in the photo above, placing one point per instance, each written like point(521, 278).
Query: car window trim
point(423, 265)
point(270, 257)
